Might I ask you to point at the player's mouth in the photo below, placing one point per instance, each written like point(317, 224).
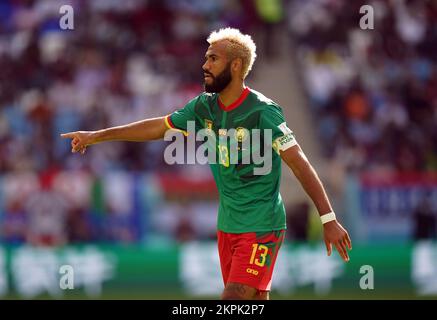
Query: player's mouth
point(206, 76)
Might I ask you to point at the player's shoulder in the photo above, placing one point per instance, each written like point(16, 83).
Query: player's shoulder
point(207, 96)
point(263, 103)
point(205, 99)
point(201, 101)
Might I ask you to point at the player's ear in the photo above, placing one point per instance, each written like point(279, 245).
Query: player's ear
point(237, 65)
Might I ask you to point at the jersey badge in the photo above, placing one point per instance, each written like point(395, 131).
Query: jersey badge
point(241, 134)
point(208, 126)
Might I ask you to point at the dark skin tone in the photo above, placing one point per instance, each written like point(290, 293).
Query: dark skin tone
point(217, 58)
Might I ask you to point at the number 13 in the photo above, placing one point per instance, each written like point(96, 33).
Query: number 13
point(259, 262)
point(224, 155)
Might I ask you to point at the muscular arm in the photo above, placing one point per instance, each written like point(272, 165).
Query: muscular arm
point(295, 158)
point(334, 233)
point(144, 130)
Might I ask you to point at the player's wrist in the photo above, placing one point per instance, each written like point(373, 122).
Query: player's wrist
point(328, 217)
point(98, 136)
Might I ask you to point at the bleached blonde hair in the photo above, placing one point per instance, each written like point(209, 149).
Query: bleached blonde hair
point(241, 46)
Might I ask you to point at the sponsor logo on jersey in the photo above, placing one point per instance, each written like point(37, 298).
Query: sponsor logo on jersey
point(241, 134)
point(222, 132)
point(285, 139)
point(252, 271)
point(208, 126)
point(284, 142)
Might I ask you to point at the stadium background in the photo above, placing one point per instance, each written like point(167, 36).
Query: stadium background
point(363, 104)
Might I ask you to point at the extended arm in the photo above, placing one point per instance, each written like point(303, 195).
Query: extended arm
point(144, 130)
point(334, 233)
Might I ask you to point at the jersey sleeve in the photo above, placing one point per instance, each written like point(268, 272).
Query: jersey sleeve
point(181, 119)
point(282, 137)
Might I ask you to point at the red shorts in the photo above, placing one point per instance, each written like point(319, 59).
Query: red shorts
point(249, 258)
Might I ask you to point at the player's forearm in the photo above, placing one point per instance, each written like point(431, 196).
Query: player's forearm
point(307, 176)
point(144, 130)
point(312, 185)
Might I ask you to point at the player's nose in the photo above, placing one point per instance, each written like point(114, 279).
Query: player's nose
point(205, 67)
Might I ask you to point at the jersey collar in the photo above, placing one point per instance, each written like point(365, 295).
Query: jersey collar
point(236, 103)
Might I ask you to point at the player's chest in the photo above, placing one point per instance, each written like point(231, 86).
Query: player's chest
point(220, 122)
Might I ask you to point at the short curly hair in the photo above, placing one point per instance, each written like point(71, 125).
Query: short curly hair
point(241, 46)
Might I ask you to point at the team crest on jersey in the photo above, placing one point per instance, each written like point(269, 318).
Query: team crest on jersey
point(241, 134)
point(208, 125)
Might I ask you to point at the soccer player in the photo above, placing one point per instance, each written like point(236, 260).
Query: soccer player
point(251, 218)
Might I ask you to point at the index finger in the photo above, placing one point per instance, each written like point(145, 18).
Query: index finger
point(67, 135)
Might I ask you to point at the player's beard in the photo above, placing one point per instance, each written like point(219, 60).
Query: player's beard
point(219, 82)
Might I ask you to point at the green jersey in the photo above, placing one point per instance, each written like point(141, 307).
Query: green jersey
point(249, 202)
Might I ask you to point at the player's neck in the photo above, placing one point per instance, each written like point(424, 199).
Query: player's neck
point(231, 93)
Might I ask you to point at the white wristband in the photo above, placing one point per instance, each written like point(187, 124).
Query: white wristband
point(327, 217)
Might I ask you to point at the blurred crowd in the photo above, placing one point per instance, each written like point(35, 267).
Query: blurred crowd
point(373, 91)
point(123, 61)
